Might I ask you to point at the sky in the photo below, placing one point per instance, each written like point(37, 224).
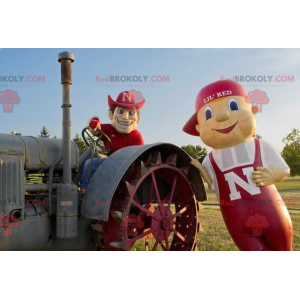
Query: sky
point(168, 104)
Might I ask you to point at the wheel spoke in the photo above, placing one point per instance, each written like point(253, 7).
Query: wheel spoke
point(156, 189)
point(178, 234)
point(181, 211)
point(99, 138)
point(136, 198)
point(172, 192)
point(89, 135)
point(150, 200)
point(133, 240)
point(166, 199)
point(155, 245)
point(167, 244)
point(142, 208)
point(163, 246)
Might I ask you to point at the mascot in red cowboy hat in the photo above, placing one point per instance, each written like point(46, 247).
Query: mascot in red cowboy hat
point(240, 169)
point(124, 114)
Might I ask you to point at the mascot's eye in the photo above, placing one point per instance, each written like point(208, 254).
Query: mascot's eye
point(208, 113)
point(120, 111)
point(233, 104)
point(10, 98)
point(4, 98)
point(131, 113)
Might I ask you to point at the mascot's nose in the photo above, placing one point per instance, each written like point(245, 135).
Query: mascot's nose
point(126, 115)
point(223, 115)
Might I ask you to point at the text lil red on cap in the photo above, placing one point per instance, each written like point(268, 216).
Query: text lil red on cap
point(212, 92)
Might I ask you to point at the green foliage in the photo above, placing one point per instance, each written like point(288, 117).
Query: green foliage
point(291, 151)
point(80, 143)
point(255, 135)
point(196, 152)
point(44, 132)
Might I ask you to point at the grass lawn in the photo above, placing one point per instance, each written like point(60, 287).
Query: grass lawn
point(216, 237)
point(290, 185)
point(289, 190)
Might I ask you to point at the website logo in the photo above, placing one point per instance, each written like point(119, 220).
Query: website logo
point(9, 99)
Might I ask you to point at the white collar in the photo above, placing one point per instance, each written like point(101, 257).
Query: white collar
point(240, 155)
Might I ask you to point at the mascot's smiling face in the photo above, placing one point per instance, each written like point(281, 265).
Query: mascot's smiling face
point(226, 122)
point(124, 120)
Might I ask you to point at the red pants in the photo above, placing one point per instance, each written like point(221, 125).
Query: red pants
point(277, 236)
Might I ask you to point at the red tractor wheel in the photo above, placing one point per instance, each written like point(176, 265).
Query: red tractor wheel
point(154, 208)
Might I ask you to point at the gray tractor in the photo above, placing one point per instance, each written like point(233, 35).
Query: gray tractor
point(140, 198)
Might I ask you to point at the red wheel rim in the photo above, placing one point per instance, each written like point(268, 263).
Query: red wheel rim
point(167, 221)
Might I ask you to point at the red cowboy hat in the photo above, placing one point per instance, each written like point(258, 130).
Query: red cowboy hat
point(127, 100)
point(212, 92)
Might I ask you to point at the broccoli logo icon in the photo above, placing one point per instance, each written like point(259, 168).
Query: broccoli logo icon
point(257, 222)
point(257, 98)
point(132, 223)
point(9, 98)
point(8, 222)
point(137, 96)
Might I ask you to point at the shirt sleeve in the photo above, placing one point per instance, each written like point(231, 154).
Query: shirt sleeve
point(272, 158)
point(138, 139)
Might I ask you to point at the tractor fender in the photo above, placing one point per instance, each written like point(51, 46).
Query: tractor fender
point(102, 186)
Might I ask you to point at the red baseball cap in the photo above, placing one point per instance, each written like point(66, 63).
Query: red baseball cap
point(127, 100)
point(210, 93)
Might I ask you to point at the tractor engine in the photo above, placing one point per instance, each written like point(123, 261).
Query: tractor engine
point(25, 162)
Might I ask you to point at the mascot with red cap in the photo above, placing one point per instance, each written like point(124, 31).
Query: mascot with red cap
point(124, 114)
point(240, 169)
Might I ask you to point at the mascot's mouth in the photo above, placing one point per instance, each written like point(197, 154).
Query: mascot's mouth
point(226, 130)
point(125, 123)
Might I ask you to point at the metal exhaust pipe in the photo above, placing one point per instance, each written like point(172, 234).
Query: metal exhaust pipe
point(67, 193)
point(66, 59)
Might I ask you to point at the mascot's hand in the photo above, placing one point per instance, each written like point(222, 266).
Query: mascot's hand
point(94, 125)
point(93, 132)
point(263, 176)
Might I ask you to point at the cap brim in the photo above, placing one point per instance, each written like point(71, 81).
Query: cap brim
point(190, 126)
point(139, 105)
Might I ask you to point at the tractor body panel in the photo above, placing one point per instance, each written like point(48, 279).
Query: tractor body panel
point(36, 153)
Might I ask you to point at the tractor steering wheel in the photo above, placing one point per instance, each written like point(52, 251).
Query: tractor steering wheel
point(90, 139)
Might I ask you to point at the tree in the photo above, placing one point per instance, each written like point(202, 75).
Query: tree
point(44, 132)
point(80, 143)
point(291, 151)
point(196, 152)
point(255, 135)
